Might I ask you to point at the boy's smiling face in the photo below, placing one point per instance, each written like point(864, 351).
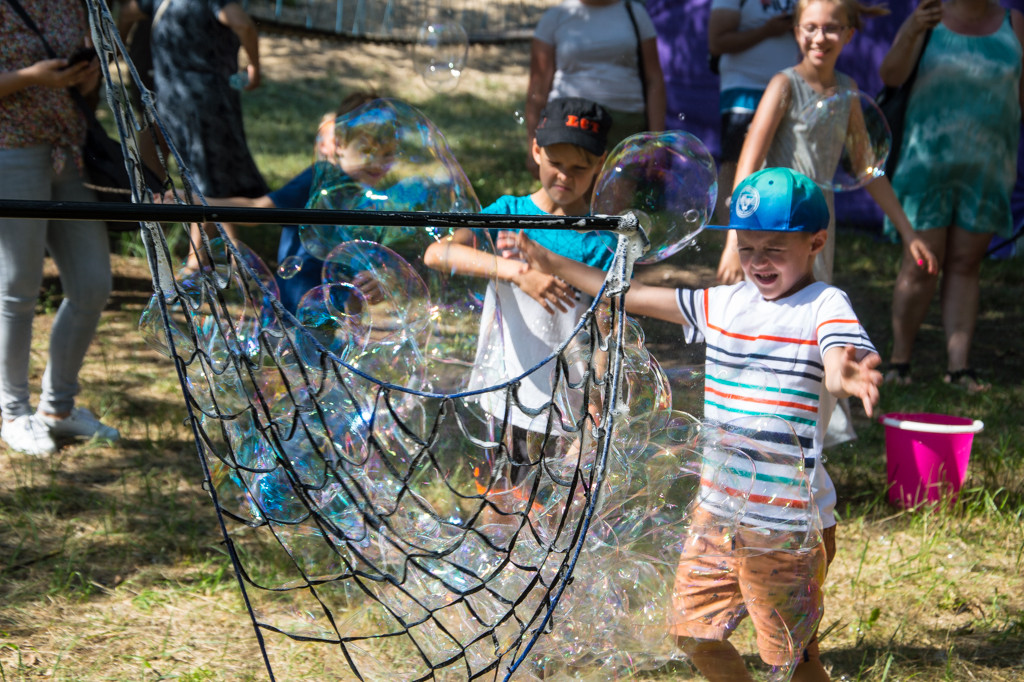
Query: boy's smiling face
point(779, 263)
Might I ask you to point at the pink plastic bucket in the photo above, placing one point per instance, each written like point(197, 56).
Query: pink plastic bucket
point(926, 456)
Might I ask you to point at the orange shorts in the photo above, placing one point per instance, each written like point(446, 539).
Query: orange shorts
point(720, 580)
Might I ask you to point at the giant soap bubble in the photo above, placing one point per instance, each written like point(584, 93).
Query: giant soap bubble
point(668, 180)
point(846, 131)
point(385, 156)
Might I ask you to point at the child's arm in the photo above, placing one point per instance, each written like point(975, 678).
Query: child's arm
point(880, 190)
point(767, 118)
point(847, 377)
point(659, 302)
point(171, 197)
point(457, 255)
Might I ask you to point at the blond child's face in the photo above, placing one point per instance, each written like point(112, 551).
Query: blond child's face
point(779, 263)
point(363, 158)
point(366, 160)
point(822, 31)
point(566, 172)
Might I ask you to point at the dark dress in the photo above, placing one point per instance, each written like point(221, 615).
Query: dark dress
point(193, 57)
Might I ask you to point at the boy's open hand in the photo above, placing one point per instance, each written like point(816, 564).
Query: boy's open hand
point(860, 379)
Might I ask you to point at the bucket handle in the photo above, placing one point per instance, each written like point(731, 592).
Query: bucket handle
point(924, 427)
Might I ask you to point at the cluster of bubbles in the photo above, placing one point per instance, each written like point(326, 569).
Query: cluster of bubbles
point(378, 508)
point(845, 130)
point(673, 519)
point(439, 54)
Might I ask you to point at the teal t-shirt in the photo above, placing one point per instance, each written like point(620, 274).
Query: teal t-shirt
point(592, 248)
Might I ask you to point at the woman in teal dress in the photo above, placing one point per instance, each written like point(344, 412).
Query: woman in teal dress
point(957, 166)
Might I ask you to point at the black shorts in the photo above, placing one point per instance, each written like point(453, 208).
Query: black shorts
point(734, 126)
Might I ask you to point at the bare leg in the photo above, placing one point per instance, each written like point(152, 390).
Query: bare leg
point(811, 669)
point(960, 287)
point(717, 661)
point(912, 294)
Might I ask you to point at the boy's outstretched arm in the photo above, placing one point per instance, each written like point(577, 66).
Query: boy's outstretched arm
point(659, 302)
point(456, 254)
point(847, 377)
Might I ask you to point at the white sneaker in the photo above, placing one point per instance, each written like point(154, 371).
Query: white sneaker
point(79, 424)
point(28, 434)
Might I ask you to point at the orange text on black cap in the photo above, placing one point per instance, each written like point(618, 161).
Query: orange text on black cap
point(581, 122)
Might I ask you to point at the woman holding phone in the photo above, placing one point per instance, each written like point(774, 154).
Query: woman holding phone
point(957, 166)
point(41, 135)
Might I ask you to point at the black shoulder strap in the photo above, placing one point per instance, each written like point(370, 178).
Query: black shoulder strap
point(917, 63)
point(16, 6)
point(639, 51)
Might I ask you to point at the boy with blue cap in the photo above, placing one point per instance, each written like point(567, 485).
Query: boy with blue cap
point(806, 333)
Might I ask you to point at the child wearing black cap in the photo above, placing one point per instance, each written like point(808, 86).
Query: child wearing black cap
point(538, 311)
point(760, 538)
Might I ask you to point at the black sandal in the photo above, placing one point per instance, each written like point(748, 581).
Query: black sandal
point(967, 379)
point(898, 373)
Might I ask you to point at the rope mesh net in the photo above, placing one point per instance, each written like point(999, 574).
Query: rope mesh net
point(404, 516)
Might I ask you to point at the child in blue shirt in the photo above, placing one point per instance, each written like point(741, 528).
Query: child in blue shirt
point(295, 194)
point(537, 311)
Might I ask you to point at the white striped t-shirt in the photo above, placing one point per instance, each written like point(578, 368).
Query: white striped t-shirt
point(766, 358)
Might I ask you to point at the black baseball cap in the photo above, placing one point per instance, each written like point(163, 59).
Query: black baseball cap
point(574, 120)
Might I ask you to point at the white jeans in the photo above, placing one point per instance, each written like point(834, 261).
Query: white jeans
point(80, 250)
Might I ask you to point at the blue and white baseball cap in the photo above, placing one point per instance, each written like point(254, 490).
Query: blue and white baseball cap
point(778, 199)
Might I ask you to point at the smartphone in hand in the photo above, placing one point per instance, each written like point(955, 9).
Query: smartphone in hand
point(83, 54)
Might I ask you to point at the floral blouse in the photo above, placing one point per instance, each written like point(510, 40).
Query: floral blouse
point(39, 115)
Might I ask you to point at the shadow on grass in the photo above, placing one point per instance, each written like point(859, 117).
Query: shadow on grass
point(101, 517)
point(996, 651)
point(988, 651)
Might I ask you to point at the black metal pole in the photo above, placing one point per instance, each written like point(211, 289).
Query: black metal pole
point(179, 213)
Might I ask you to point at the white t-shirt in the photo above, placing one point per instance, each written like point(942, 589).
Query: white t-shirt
point(523, 335)
point(516, 333)
point(754, 67)
point(596, 52)
point(767, 358)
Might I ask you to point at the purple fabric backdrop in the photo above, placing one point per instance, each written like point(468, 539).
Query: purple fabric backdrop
point(693, 90)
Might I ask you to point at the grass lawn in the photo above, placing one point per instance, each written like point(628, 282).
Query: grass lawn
point(112, 565)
